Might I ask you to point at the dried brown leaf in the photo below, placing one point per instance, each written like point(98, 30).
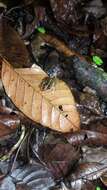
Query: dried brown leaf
point(12, 47)
point(60, 46)
point(59, 158)
point(8, 116)
point(5, 130)
point(87, 171)
point(54, 108)
point(9, 121)
point(89, 137)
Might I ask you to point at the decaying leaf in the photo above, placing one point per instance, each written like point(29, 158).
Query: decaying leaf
point(54, 108)
point(8, 122)
point(89, 137)
point(95, 133)
point(104, 179)
point(32, 177)
point(60, 46)
point(89, 171)
point(98, 154)
point(59, 158)
point(4, 130)
point(80, 185)
point(86, 172)
point(11, 46)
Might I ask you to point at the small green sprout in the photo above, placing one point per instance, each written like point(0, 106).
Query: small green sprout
point(41, 30)
point(97, 60)
point(98, 188)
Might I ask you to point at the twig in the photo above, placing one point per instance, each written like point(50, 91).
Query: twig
point(25, 137)
point(7, 156)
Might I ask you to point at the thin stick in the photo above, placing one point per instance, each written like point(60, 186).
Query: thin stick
point(19, 150)
point(7, 156)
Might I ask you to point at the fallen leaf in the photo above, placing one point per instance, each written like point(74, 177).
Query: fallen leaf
point(4, 130)
point(79, 185)
point(9, 121)
point(93, 134)
point(60, 46)
point(12, 47)
point(89, 107)
point(98, 154)
point(54, 108)
point(84, 173)
point(32, 177)
point(59, 158)
point(89, 137)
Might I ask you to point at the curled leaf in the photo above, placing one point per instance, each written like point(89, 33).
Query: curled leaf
point(60, 46)
point(54, 108)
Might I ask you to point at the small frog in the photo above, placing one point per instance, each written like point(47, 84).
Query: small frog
point(48, 83)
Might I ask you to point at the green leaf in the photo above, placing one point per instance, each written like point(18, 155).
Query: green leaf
point(97, 60)
point(41, 30)
point(98, 188)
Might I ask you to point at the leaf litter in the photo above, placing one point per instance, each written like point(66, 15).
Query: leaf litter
point(53, 109)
